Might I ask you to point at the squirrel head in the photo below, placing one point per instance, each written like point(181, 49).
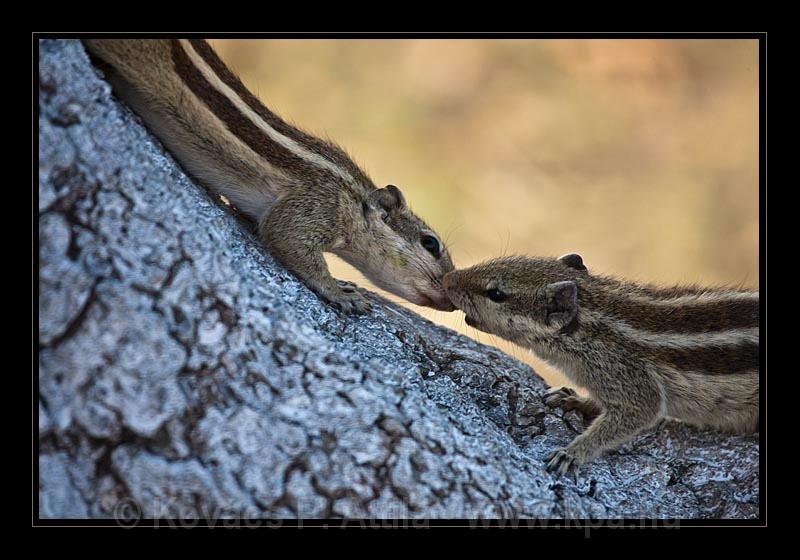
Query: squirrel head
point(520, 298)
point(401, 254)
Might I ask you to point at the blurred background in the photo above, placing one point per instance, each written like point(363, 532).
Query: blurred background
point(641, 155)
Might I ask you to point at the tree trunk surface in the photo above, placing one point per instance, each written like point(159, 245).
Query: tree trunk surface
point(183, 373)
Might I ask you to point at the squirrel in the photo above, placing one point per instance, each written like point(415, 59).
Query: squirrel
point(643, 353)
point(305, 194)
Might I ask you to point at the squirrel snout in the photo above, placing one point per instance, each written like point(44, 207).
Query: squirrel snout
point(449, 283)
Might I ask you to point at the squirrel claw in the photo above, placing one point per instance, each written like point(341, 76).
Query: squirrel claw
point(347, 299)
point(347, 286)
point(352, 304)
point(558, 397)
point(567, 399)
point(560, 462)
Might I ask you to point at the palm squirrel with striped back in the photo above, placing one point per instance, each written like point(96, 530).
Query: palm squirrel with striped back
point(306, 195)
point(642, 352)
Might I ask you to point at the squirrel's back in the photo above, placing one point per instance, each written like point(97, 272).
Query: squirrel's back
point(216, 127)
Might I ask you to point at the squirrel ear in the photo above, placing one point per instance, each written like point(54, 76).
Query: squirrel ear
point(388, 199)
point(561, 302)
point(573, 260)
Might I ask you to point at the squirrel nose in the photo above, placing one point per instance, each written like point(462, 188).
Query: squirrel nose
point(447, 280)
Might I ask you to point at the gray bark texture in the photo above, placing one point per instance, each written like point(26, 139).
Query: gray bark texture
point(183, 373)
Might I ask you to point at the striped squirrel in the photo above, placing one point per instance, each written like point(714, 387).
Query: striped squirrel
point(643, 353)
point(305, 194)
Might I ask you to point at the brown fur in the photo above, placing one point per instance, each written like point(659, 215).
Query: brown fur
point(643, 353)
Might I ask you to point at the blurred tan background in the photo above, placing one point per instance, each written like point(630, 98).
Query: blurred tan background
point(641, 155)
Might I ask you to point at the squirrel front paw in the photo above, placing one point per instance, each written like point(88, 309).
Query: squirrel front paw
point(347, 286)
point(567, 399)
point(558, 397)
point(561, 462)
point(348, 299)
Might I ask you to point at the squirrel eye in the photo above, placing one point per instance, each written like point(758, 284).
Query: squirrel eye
point(431, 244)
point(496, 295)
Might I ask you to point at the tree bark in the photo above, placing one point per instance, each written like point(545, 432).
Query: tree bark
point(182, 372)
